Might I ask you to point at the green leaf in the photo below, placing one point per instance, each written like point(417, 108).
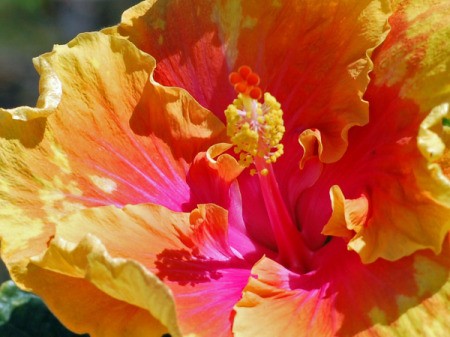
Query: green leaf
point(24, 314)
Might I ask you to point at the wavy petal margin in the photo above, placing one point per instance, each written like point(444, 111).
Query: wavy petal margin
point(416, 53)
point(104, 296)
point(344, 297)
point(319, 83)
point(113, 137)
point(400, 160)
point(189, 252)
point(51, 92)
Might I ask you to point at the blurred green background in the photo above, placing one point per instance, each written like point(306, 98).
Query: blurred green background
point(29, 28)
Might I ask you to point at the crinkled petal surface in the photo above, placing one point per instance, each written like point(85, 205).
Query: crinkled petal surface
point(416, 52)
point(189, 252)
point(317, 89)
point(107, 132)
point(320, 92)
point(116, 138)
point(399, 162)
point(92, 292)
point(344, 297)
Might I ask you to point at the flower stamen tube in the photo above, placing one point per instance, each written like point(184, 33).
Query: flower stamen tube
point(256, 129)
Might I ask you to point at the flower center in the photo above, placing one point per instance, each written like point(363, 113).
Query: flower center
point(256, 130)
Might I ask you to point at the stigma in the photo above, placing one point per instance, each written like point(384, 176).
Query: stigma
point(255, 128)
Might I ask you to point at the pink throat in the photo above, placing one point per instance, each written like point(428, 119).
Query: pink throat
point(292, 251)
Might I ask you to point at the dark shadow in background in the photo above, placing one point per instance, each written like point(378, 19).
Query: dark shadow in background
point(31, 27)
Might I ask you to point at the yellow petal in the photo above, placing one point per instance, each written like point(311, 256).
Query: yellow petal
point(434, 143)
point(113, 136)
point(92, 292)
point(416, 52)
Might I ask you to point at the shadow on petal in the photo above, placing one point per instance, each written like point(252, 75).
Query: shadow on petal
point(184, 267)
point(29, 133)
point(343, 297)
point(192, 58)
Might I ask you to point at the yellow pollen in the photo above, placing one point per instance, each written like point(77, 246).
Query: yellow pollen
point(256, 129)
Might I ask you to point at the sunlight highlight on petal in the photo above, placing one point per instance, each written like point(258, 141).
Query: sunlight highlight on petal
point(146, 196)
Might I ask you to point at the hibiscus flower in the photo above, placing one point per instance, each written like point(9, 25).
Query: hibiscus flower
point(146, 195)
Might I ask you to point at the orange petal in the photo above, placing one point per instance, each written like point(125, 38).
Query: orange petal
point(227, 166)
point(113, 137)
point(343, 297)
point(311, 142)
point(406, 206)
point(399, 161)
point(348, 217)
point(190, 253)
point(89, 291)
point(319, 82)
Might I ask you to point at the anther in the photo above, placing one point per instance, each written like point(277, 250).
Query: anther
point(255, 128)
